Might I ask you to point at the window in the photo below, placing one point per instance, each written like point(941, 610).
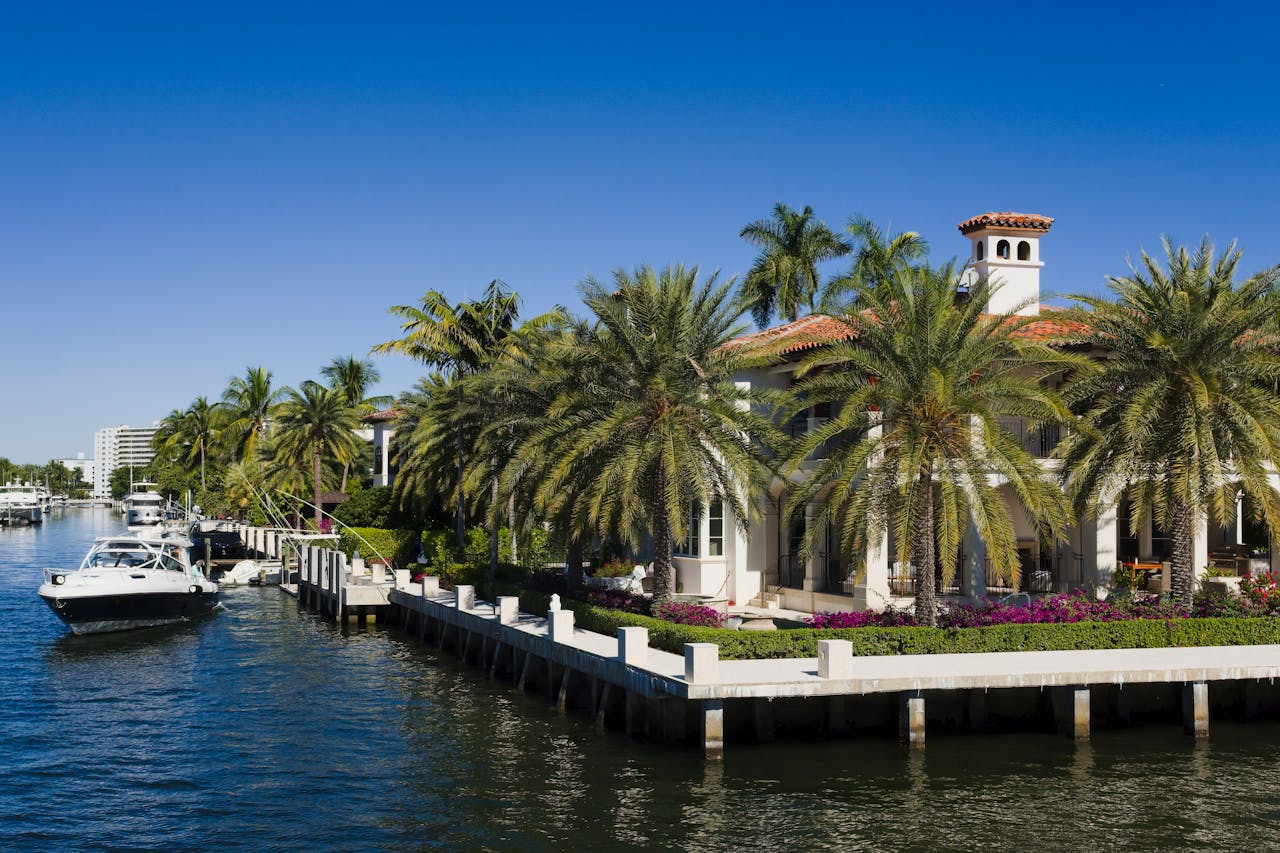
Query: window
point(715, 529)
point(693, 532)
point(1002, 249)
point(981, 251)
point(1024, 251)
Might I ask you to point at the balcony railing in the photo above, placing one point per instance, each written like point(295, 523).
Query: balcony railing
point(1040, 443)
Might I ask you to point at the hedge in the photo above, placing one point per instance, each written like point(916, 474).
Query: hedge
point(803, 642)
point(400, 546)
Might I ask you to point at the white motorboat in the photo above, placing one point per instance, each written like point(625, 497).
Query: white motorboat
point(252, 572)
point(130, 580)
point(143, 508)
point(20, 504)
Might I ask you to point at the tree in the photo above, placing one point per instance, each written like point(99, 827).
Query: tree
point(650, 421)
point(352, 378)
point(315, 423)
point(875, 255)
point(188, 435)
point(249, 400)
point(784, 277)
point(917, 393)
point(1184, 408)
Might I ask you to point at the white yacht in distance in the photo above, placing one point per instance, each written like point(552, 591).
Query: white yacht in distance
point(142, 507)
point(130, 580)
point(20, 503)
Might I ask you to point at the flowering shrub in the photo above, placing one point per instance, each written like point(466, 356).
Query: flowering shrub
point(1260, 594)
point(616, 568)
point(1076, 606)
point(688, 614)
point(615, 599)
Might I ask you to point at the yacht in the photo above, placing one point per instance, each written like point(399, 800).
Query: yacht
point(20, 504)
point(143, 507)
point(130, 580)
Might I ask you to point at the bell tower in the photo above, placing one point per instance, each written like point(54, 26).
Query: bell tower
point(1006, 247)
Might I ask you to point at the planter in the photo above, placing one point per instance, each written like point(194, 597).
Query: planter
point(622, 584)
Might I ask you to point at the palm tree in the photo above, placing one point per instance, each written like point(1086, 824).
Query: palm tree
point(875, 254)
point(249, 400)
point(189, 434)
point(314, 423)
point(1184, 405)
point(784, 278)
point(650, 421)
point(917, 393)
point(352, 378)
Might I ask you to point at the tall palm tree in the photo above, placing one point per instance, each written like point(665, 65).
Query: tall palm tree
point(917, 394)
point(315, 423)
point(250, 400)
point(650, 421)
point(352, 378)
point(784, 277)
point(189, 434)
point(1184, 405)
point(875, 254)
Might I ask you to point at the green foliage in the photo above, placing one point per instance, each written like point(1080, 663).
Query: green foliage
point(368, 508)
point(801, 643)
point(399, 546)
point(1128, 576)
point(784, 277)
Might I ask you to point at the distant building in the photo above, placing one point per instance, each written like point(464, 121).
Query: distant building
point(119, 447)
point(88, 468)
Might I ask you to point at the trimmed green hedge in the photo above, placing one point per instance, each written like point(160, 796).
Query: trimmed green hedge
point(803, 642)
point(398, 545)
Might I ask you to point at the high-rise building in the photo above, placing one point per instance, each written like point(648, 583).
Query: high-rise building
point(118, 447)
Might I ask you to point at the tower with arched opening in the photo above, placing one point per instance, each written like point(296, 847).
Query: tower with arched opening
point(1006, 246)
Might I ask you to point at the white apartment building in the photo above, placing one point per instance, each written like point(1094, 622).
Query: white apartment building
point(87, 467)
point(117, 447)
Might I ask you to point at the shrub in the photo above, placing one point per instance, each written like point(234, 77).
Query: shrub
point(688, 614)
point(367, 508)
point(398, 546)
point(615, 568)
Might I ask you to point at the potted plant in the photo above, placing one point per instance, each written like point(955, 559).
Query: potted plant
point(614, 574)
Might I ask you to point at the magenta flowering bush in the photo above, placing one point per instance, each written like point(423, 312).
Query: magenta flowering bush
point(688, 614)
point(1076, 606)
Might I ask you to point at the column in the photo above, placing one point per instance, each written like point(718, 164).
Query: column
point(975, 568)
point(1104, 549)
point(873, 592)
point(1195, 709)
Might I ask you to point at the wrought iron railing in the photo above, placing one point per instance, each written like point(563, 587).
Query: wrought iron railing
point(791, 571)
point(1039, 576)
point(832, 574)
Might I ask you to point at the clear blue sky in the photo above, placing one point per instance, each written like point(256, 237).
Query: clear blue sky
point(188, 189)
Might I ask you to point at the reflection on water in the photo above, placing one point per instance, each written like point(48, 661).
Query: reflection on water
point(265, 728)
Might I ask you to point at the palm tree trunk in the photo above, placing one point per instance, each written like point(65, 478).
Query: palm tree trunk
point(461, 514)
point(1182, 564)
point(923, 553)
point(511, 528)
point(664, 586)
point(315, 480)
point(493, 528)
point(573, 562)
point(346, 468)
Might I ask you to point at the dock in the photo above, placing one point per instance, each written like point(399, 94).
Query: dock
point(699, 700)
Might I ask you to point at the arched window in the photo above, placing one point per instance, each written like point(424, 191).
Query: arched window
point(982, 251)
point(1002, 249)
point(1024, 251)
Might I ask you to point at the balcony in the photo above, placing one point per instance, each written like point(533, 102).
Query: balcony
point(1038, 442)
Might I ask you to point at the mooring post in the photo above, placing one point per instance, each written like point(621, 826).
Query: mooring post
point(633, 646)
point(508, 609)
point(1195, 709)
point(464, 597)
point(835, 659)
point(1080, 714)
point(560, 625)
point(701, 662)
point(911, 720)
point(430, 586)
point(712, 727)
point(603, 707)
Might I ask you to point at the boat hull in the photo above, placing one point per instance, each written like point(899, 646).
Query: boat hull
point(102, 613)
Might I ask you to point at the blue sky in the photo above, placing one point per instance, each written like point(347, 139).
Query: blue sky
point(188, 189)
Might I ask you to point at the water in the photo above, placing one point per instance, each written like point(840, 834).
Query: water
point(264, 728)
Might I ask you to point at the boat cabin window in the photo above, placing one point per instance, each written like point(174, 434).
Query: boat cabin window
point(120, 558)
point(170, 563)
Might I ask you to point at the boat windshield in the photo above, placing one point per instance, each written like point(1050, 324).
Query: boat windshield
point(134, 555)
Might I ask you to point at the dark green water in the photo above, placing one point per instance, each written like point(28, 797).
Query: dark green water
point(264, 728)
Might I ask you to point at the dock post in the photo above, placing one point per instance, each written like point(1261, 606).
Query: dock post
point(1195, 709)
point(464, 597)
point(1080, 714)
point(712, 726)
point(911, 720)
point(633, 646)
point(508, 609)
point(701, 662)
point(835, 659)
point(430, 586)
point(560, 625)
point(603, 707)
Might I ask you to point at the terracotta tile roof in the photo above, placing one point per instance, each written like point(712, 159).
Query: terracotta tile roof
point(802, 334)
point(818, 329)
point(1017, 221)
point(381, 416)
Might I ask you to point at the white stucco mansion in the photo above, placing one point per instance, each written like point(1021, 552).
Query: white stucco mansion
point(763, 566)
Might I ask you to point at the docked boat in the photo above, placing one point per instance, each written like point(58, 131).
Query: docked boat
point(130, 580)
point(20, 504)
point(143, 508)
